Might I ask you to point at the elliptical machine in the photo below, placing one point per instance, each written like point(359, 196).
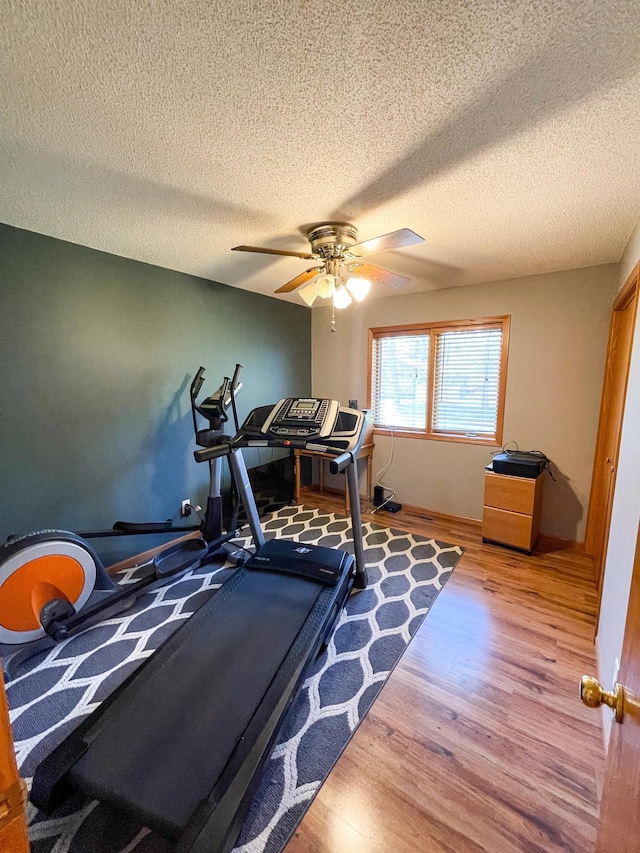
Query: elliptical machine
point(52, 582)
point(214, 409)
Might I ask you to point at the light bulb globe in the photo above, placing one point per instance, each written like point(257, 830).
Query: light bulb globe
point(309, 293)
point(325, 286)
point(341, 298)
point(358, 287)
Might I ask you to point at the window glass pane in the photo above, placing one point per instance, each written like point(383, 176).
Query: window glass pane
point(467, 381)
point(400, 369)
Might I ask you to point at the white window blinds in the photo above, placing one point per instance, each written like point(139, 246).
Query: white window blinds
point(467, 381)
point(400, 370)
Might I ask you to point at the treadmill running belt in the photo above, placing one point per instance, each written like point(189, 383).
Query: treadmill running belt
point(159, 750)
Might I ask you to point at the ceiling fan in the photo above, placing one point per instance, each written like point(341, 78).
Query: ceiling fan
point(341, 273)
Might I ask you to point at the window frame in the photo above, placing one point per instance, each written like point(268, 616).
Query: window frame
point(502, 321)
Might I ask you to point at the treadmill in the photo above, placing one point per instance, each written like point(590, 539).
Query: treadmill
point(180, 744)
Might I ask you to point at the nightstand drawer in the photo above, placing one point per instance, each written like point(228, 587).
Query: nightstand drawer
point(509, 528)
point(516, 494)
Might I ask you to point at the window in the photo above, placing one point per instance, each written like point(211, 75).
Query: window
point(440, 380)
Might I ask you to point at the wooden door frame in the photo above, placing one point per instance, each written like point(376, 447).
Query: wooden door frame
point(13, 791)
point(628, 292)
point(618, 795)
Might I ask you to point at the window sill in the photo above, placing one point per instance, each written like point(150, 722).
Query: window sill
point(432, 436)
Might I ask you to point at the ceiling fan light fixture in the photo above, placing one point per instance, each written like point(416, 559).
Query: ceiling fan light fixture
point(309, 293)
point(341, 298)
point(358, 287)
point(334, 245)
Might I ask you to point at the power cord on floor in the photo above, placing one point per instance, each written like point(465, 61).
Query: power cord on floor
point(381, 473)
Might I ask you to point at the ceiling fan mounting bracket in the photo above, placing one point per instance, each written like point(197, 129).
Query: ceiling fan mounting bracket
point(332, 239)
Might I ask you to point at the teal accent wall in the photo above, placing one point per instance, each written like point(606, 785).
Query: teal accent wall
point(97, 353)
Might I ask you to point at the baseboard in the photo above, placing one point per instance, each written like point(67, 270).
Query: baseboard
point(141, 559)
point(559, 544)
point(422, 512)
point(553, 542)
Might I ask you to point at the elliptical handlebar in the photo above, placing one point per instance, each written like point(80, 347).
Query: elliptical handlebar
point(214, 408)
point(234, 384)
point(194, 390)
point(236, 377)
point(224, 390)
point(196, 383)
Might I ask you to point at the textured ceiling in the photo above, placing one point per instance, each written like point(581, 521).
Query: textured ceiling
point(505, 133)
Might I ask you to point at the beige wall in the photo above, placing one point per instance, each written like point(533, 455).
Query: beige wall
point(559, 325)
point(626, 508)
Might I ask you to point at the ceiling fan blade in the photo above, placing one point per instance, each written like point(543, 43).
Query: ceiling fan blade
point(299, 280)
point(378, 274)
point(274, 252)
point(395, 240)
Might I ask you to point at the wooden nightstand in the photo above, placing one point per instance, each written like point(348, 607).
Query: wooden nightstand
point(511, 514)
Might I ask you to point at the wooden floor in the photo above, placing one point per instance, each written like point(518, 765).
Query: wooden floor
point(478, 741)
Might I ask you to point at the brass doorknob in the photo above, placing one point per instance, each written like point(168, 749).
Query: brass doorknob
point(593, 695)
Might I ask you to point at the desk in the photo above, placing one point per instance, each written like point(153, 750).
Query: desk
point(365, 452)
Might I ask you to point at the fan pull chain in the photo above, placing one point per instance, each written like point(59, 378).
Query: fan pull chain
point(333, 319)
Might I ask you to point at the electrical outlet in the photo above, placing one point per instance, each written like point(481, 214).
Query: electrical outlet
point(185, 507)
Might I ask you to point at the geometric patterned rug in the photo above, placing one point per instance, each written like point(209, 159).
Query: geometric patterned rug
point(54, 691)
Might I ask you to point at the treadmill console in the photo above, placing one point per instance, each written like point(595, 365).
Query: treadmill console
point(307, 422)
point(302, 418)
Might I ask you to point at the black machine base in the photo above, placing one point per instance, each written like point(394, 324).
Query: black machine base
point(298, 558)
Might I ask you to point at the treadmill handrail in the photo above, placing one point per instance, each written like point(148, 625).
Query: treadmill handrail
point(338, 464)
point(215, 452)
